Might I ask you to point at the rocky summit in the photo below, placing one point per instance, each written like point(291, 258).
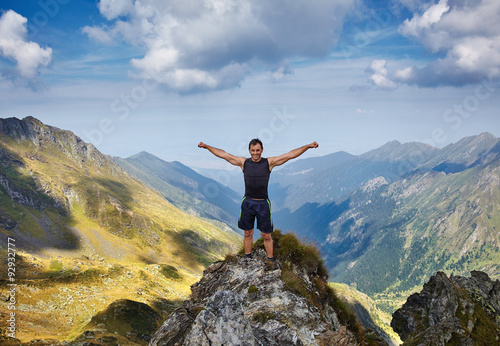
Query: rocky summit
point(239, 301)
point(451, 311)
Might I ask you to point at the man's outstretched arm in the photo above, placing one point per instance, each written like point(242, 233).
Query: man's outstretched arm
point(234, 160)
point(279, 160)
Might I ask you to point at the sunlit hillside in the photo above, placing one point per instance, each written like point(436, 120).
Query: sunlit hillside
point(87, 233)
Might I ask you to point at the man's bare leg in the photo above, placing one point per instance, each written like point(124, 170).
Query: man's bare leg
point(268, 244)
point(248, 241)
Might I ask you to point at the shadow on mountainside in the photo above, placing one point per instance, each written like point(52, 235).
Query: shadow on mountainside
point(194, 249)
point(312, 219)
point(28, 214)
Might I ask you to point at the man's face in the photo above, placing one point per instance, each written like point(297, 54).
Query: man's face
point(255, 152)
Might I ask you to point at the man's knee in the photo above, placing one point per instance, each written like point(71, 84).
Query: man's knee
point(249, 234)
point(266, 236)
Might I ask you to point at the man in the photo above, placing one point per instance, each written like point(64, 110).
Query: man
point(255, 204)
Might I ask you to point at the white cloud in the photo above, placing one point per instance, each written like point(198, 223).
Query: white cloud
point(467, 36)
point(405, 74)
point(379, 73)
point(14, 45)
point(202, 45)
point(421, 26)
point(115, 8)
point(359, 110)
point(98, 34)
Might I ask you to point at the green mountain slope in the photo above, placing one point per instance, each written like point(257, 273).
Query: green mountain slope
point(87, 233)
point(183, 187)
point(386, 238)
point(67, 195)
point(367, 312)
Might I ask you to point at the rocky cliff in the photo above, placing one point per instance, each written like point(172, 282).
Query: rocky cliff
point(451, 311)
point(239, 302)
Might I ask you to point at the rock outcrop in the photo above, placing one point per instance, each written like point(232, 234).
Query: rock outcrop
point(49, 137)
point(455, 310)
point(239, 302)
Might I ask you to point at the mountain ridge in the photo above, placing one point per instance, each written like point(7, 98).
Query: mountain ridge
point(325, 185)
point(87, 233)
point(185, 188)
point(405, 230)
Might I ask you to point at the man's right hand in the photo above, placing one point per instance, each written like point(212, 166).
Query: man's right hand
point(202, 145)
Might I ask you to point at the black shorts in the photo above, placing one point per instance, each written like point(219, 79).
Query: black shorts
point(260, 209)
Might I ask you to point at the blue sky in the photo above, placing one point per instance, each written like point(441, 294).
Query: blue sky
point(161, 76)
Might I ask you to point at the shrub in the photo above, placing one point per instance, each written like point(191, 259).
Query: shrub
point(170, 272)
point(293, 282)
point(230, 258)
point(56, 265)
point(287, 247)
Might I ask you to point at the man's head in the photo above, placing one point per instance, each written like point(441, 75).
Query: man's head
point(255, 148)
point(254, 142)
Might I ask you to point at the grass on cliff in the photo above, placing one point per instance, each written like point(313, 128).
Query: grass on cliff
point(298, 257)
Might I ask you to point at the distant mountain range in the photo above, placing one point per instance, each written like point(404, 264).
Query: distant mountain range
point(323, 179)
point(389, 219)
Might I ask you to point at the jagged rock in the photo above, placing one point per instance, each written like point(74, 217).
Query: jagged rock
point(238, 302)
point(41, 135)
point(342, 337)
point(455, 310)
point(27, 197)
point(374, 184)
point(221, 323)
point(483, 290)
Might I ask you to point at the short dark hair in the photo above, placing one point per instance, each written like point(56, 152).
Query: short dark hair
point(254, 142)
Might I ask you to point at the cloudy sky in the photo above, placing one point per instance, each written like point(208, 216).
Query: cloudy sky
point(160, 76)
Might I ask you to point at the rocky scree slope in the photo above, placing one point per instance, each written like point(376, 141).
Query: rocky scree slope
point(451, 311)
point(239, 302)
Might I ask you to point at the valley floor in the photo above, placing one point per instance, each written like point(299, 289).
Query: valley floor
point(56, 298)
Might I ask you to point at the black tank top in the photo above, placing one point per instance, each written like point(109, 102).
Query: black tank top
point(256, 176)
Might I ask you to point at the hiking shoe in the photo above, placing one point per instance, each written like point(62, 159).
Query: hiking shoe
point(270, 264)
